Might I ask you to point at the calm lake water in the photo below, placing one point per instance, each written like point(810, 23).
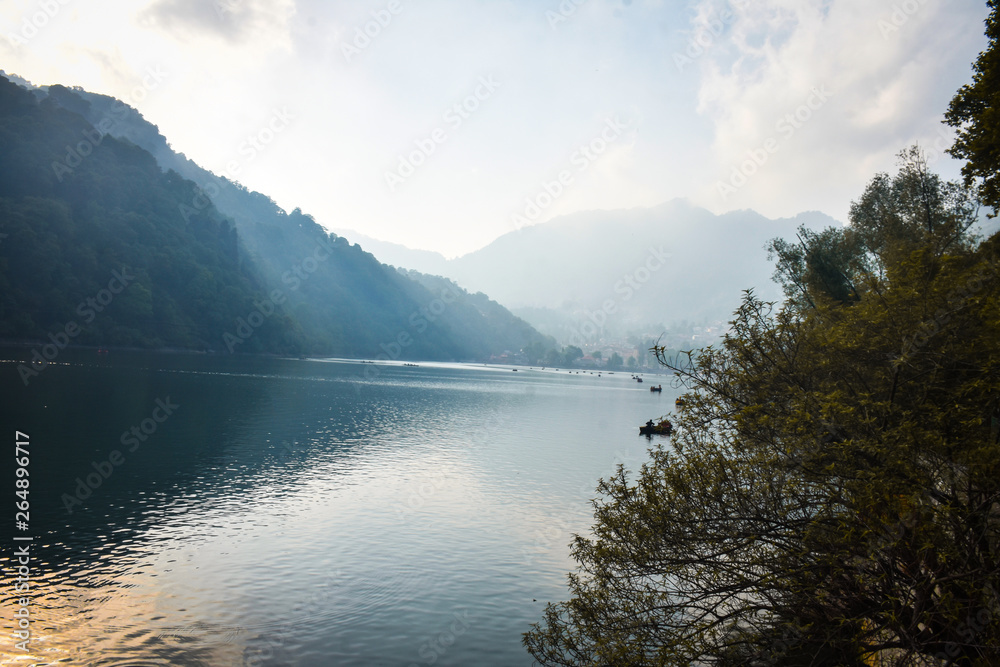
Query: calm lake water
point(302, 512)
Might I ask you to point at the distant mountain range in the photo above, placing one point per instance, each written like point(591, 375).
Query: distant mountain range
point(636, 271)
point(109, 237)
point(87, 185)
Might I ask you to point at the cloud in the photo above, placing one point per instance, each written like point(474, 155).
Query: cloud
point(889, 71)
point(230, 63)
point(261, 22)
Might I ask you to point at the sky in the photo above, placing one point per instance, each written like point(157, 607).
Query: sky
point(443, 124)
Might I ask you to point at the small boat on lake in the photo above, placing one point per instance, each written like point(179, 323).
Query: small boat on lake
point(658, 387)
point(662, 428)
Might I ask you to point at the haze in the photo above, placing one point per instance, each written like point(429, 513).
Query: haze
point(632, 102)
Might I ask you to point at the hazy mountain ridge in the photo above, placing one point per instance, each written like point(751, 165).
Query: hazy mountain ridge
point(628, 271)
point(473, 311)
point(333, 297)
point(632, 270)
point(398, 255)
point(95, 249)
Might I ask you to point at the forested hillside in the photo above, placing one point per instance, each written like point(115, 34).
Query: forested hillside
point(70, 220)
point(216, 266)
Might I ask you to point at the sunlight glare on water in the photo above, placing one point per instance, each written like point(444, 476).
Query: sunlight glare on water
point(312, 512)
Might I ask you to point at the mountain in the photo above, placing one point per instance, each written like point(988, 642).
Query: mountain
point(95, 251)
point(87, 186)
point(394, 254)
point(642, 270)
point(477, 317)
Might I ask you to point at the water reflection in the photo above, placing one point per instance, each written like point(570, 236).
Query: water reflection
point(296, 512)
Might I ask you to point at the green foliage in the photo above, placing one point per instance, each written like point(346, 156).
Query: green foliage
point(535, 351)
point(615, 362)
point(974, 112)
point(478, 326)
point(566, 358)
point(78, 206)
point(892, 218)
point(832, 492)
point(207, 251)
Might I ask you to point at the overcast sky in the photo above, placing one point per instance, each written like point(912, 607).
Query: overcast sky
point(780, 106)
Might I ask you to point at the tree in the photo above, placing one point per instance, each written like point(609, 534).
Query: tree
point(597, 355)
point(894, 216)
point(832, 492)
point(973, 111)
point(615, 362)
point(535, 351)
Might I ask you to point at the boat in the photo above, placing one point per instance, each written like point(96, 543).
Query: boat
point(679, 402)
point(638, 379)
point(658, 387)
point(663, 428)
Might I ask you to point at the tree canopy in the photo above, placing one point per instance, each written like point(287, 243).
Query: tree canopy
point(894, 216)
point(975, 113)
point(80, 198)
point(832, 492)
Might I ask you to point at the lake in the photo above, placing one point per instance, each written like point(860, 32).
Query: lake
point(210, 510)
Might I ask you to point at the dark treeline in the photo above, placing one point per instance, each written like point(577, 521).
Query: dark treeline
point(87, 188)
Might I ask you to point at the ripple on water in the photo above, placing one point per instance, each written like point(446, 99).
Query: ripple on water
point(290, 515)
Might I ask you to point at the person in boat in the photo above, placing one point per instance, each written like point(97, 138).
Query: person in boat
point(649, 424)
